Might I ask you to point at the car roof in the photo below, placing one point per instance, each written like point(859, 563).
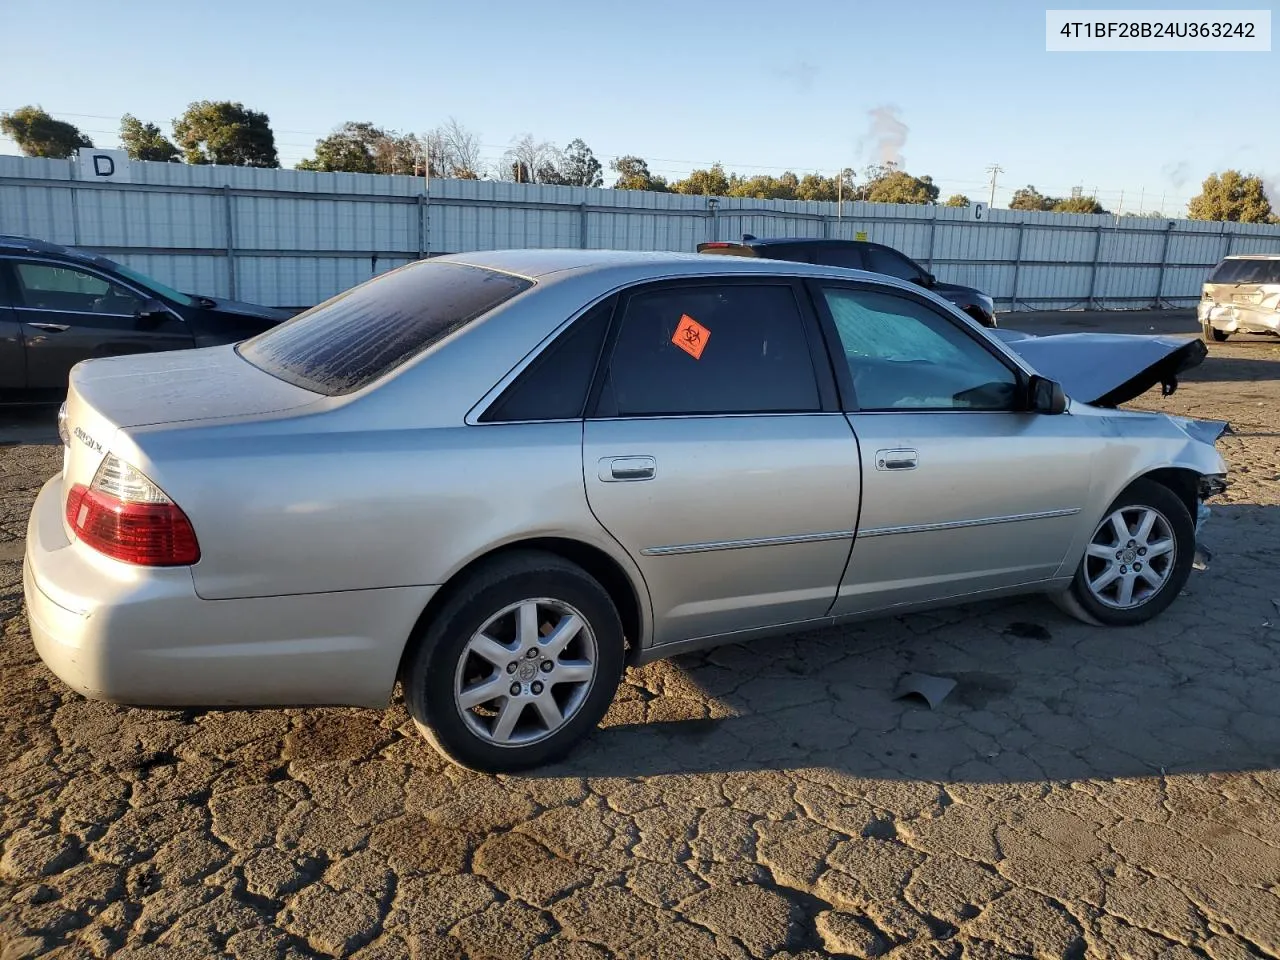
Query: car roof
point(818, 241)
point(544, 264)
point(12, 243)
point(1253, 256)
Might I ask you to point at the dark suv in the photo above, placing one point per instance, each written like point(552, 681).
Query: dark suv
point(860, 255)
point(60, 305)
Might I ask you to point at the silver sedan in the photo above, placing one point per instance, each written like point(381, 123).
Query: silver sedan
point(498, 478)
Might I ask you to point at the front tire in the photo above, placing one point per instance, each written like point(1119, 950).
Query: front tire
point(1213, 335)
point(518, 665)
point(1137, 560)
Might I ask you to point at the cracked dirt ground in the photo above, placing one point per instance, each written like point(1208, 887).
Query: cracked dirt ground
point(1082, 793)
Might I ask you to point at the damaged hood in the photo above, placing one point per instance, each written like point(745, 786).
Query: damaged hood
point(1106, 369)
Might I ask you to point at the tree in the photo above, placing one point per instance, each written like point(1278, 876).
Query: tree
point(227, 133)
point(1231, 196)
point(887, 184)
point(454, 151)
point(144, 141)
point(39, 135)
point(579, 166)
point(764, 187)
point(633, 174)
point(1076, 205)
point(957, 200)
point(350, 148)
point(395, 153)
point(1029, 198)
point(707, 183)
point(531, 161)
point(814, 186)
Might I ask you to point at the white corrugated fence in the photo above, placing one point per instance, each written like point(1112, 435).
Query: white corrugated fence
point(294, 238)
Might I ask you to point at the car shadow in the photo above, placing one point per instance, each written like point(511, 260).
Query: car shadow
point(1219, 369)
point(1038, 695)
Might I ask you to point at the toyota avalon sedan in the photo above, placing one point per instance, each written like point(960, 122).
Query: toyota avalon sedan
point(500, 477)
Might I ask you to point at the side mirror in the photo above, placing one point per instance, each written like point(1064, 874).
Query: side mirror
point(1046, 396)
point(151, 313)
point(925, 280)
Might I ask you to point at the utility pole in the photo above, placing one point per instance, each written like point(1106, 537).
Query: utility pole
point(994, 169)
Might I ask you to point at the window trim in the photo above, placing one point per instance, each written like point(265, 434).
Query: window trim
point(16, 287)
point(840, 364)
point(819, 358)
point(475, 416)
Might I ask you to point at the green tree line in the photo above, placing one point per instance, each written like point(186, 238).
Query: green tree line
point(226, 132)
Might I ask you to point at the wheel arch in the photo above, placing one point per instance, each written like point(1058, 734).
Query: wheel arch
point(1184, 482)
point(629, 597)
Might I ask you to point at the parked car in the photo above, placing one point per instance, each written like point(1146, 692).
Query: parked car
point(499, 477)
point(1242, 295)
point(60, 305)
point(860, 255)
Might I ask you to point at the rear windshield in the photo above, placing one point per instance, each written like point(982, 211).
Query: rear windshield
point(350, 341)
point(1246, 271)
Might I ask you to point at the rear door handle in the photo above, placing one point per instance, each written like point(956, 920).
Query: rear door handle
point(51, 327)
point(899, 459)
point(616, 469)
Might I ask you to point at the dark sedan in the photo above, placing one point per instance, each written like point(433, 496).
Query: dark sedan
point(860, 255)
point(60, 305)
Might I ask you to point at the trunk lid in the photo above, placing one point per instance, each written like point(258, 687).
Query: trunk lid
point(1106, 369)
point(109, 394)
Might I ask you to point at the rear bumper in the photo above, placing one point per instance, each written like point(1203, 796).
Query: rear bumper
point(138, 635)
point(1237, 318)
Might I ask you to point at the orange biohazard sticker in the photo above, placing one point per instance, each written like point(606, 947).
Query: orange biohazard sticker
point(691, 336)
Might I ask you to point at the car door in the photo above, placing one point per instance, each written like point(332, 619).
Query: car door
point(963, 489)
point(715, 453)
point(72, 313)
point(13, 363)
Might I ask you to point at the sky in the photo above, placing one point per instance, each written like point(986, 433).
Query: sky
point(945, 88)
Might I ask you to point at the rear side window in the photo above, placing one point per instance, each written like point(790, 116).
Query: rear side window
point(1246, 271)
point(833, 255)
point(733, 348)
point(554, 386)
point(355, 338)
point(891, 263)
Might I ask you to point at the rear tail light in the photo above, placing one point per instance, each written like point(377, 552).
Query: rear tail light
point(125, 516)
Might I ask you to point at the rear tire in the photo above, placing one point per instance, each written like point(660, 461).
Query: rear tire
point(1214, 335)
point(1137, 560)
point(539, 634)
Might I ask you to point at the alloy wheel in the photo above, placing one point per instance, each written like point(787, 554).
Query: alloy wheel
point(526, 672)
point(1130, 557)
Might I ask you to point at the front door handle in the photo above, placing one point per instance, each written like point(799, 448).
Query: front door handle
point(899, 459)
point(615, 469)
point(51, 327)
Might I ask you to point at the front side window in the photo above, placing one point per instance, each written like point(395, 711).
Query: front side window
point(904, 356)
point(891, 263)
point(49, 286)
point(355, 338)
point(713, 349)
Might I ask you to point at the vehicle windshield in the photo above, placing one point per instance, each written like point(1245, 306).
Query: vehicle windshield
point(154, 286)
point(1246, 271)
point(361, 335)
